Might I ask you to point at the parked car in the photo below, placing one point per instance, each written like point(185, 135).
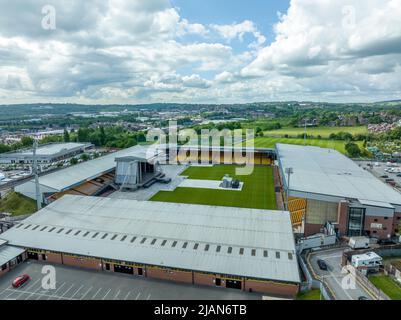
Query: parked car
point(322, 265)
point(384, 177)
point(399, 175)
point(20, 281)
point(362, 298)
point(386, 242)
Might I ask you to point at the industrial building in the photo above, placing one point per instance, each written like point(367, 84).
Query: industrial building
point(87, 178)
point(45, 154)
point(325, 186)
point(244, 249)
point(10, 257)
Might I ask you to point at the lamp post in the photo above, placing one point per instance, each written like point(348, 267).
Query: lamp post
point(289, 172)
point(35, 172)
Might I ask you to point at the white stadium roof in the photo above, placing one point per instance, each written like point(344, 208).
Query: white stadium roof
point(327, 172)
point(183, 236)
point(85, 171)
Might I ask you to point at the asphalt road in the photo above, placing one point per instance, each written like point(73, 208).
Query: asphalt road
point(80, 284)
point(342, 285)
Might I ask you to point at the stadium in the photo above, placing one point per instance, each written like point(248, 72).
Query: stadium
point(181, 215)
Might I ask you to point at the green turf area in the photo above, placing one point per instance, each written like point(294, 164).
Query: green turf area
point(387, 285)
point(313, 294)
point(258, 191)
point(17, 204)
point(270, 142)
point(324, 132)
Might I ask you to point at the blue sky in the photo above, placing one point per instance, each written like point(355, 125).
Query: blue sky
point(262, 12)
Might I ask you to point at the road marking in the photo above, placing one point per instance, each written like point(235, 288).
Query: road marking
point(65, 292)
point(17, 291)
point(33, 285)
point(106, 294)
point(339, 284)
point(93, 297)
point(139, 294)
point(126, 297)
point(77, 291)
point(148, 298)
point(57, 289)
point(90, 289)
point(39, 294)
point(115, 297)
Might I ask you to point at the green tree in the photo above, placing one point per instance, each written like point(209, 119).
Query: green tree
point(102, 136)
point(27, 141)
point(66, 136)
point(353, 150)
point(83, 135)
point(73, 161)
point(84, 157)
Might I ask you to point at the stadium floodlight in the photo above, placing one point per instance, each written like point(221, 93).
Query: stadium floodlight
point(289, 172)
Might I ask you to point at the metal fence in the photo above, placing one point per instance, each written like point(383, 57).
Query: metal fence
point(365, 282)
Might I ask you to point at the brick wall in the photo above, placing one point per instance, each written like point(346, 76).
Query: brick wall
point(342, 218)
point(381, 233)
point(204, 279)
point(311, 229)
point(397, 223)
point(82, 262)
point(166, 274)
point(54, 258)
point(284, 290)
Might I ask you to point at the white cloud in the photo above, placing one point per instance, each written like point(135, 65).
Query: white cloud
point(239, 30)
point(122, 51)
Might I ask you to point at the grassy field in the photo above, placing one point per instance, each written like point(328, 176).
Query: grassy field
point(310, 295)
point(17, 204)
point(387, 285)
point(324, 132)
point(258, 191)
point(270, 142)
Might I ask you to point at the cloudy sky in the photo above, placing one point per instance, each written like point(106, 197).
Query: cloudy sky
point(199, 51)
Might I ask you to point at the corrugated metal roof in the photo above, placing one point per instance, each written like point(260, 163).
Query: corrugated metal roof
point(72, 176)
point(49, 149)
point(376, 204)
point(156, 233)
point(328, 172)
point(8, 253)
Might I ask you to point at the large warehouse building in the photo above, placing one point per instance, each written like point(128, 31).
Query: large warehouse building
point(45, 154)
point(326, 186)
point(244, 249)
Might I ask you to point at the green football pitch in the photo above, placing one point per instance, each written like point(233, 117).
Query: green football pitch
point(324, 132)
point(257, 193)
point(270, 142)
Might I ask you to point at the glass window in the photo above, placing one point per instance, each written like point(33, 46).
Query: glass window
point(356, 221)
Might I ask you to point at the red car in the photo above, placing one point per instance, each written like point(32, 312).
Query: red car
point(21, 280)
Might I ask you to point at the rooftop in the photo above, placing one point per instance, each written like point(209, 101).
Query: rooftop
point(328, 172)
point(8, 253)
point(244, 242)
point(85, 171)
point(50, 149)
